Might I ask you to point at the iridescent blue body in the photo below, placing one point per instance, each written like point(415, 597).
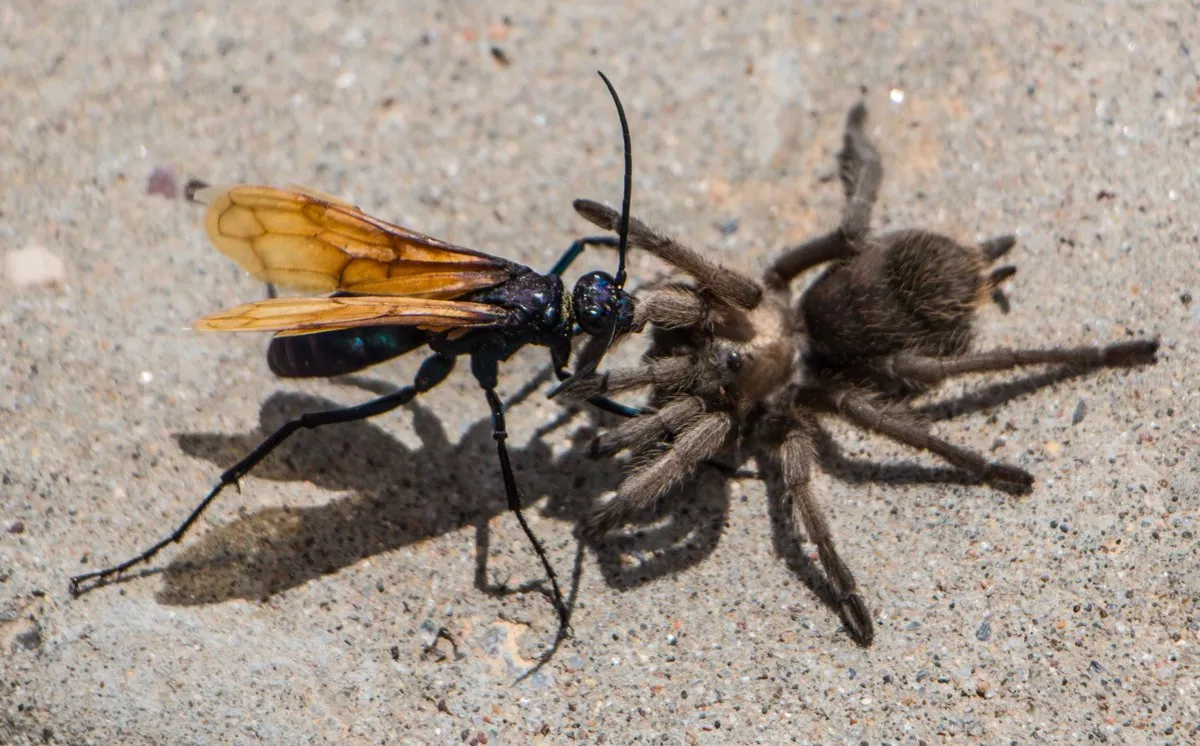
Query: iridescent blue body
point(539, 312)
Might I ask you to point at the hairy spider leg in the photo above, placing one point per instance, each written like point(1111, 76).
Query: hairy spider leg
point(796, 454)
point(861, 172)
point(934, 370)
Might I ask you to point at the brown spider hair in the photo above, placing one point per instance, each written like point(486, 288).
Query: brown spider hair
point(731, 359)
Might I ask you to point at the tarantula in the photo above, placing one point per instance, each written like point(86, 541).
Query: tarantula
point(731, 360)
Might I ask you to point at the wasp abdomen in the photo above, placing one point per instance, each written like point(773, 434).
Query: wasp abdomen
point(340, 351)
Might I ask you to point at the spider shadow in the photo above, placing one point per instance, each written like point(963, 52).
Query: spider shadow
point(398, 496)
point(899, 473)
point(679, 532)
point(697, 513)
point(857, 471)
point(1001, 392)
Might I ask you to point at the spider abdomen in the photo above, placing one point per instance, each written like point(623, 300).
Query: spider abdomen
point(934, 279)
point(908, 291)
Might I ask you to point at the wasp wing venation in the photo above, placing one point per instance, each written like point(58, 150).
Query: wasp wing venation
point(308, 315)
point(300, 240)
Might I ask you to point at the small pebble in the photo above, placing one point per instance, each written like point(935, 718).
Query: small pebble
point(1080, 412)
point(984, 633)
point(1052, 449)
point(574, 663)
point(16, 527)
point(729, 227)
point(25, 634)
point(34, 266)
point(162, 182)
point(499, 31)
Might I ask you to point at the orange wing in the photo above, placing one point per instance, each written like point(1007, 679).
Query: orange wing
point(304, 240)
point(292, 316)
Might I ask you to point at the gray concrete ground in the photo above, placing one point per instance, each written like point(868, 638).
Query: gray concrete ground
point(1065, 616)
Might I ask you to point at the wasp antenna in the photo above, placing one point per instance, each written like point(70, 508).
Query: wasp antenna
point(623, 230)
point(590, 356)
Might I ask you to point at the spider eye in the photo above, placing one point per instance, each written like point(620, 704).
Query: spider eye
point(733, 361)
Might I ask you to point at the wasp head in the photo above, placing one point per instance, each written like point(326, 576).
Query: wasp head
point(601, 305)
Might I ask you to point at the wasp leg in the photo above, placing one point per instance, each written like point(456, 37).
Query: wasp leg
point(602, 403)
point(433, 371)
point(614, 407)
point(485, 367)
point(559, 354)
point(575, 249)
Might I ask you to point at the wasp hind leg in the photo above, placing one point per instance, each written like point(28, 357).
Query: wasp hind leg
point(432, 372)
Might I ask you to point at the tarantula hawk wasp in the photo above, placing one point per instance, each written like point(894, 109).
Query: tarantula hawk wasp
point(733, 360)
point(395, 291)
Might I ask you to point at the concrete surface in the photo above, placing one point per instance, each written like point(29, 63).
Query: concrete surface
point(1066, 616)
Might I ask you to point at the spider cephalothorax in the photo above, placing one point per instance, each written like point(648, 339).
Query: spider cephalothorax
point(732, 359)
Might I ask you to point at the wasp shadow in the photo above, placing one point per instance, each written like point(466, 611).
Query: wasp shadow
point(398, 496)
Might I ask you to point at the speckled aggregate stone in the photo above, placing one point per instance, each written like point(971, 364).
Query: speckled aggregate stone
point(311, 609)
